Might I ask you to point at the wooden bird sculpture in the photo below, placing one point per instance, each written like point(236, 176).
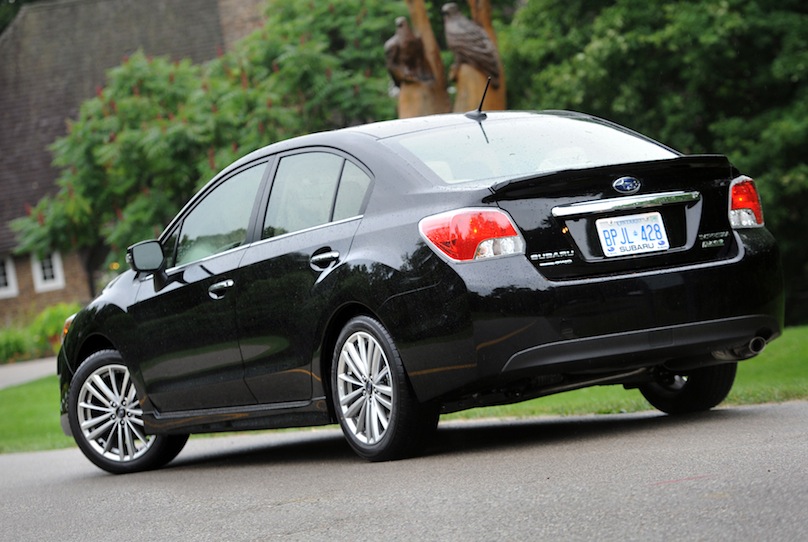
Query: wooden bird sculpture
point(470, 43)
point(404, 56)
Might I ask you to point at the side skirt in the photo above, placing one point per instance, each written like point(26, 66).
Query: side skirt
point(272, 416)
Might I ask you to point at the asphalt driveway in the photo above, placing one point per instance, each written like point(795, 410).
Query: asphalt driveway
point(734, 474)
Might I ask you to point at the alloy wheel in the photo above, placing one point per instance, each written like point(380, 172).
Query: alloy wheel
point(110, 416)
point(365, 388)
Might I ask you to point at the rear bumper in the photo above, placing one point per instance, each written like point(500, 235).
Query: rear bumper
point(678, 346)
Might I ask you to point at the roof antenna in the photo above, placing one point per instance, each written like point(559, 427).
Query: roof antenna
point(478, 114)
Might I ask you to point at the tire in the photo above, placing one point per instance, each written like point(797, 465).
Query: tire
point(377, 410)
point(699, 390)
point(106, 419)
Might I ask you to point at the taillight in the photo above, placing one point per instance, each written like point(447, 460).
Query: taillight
point(472, 234)
point(745, 210)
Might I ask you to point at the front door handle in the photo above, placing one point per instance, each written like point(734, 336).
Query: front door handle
point(218, 290)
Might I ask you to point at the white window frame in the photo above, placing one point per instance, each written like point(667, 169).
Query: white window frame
point(12, 289)
point(41, 284)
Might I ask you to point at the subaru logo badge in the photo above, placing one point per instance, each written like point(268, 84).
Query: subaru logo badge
point(627, 185)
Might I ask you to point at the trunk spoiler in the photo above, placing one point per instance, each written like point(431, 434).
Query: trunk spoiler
point(519, 185)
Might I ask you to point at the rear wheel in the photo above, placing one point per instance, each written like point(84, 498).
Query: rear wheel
point(375, 405)
point(698, 390)
point(107, 421)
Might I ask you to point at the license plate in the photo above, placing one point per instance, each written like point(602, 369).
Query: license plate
point(634, 234)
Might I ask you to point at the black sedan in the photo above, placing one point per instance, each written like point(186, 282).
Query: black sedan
point(380, 275)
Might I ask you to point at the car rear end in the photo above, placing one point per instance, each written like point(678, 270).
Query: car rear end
point(681, 271)
point(598, 256)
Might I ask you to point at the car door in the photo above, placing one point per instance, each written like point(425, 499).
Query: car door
point(187, 331)
point(312, 215)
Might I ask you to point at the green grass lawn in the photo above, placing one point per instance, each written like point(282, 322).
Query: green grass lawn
point(29, 414)
point(29, 417)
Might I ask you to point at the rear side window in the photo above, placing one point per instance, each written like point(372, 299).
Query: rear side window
point(220, 221)
point(311, 189)
point(353, 186)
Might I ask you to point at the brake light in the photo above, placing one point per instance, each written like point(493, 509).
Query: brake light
point(472, 234)
point(745, 210)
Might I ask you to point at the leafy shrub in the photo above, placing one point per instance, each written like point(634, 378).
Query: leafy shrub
point(14, 345)
point(39, 339)
point(46, 329)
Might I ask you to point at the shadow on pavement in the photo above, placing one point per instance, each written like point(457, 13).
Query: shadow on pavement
point(453, 437)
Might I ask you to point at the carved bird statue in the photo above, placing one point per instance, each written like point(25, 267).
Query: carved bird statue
point(404, 55)
point(470, 43)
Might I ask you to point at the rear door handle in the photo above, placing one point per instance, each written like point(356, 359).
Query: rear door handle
point(218, 290)
point(324, 259)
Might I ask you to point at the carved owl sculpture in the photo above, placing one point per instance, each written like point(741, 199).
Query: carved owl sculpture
point(404, 55)
point(470, 43)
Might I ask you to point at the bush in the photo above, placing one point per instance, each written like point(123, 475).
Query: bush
point(46, 329)
point(14, 345)
point(39, 339)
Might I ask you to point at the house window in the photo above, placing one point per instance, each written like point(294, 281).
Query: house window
point(8, 279)
point(48, 273)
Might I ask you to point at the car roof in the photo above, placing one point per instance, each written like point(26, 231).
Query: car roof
point(392, 128)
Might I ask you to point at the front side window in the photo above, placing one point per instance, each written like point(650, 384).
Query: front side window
point(311, 189)
point(221, 220)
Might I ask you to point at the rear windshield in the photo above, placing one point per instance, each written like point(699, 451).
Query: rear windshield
point(518, 147)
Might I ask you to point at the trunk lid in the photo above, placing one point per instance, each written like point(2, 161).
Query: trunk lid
point(624, 218)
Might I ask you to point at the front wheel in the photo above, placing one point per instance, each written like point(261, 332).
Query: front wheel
point(699, 390)
point(107, 421)
point(375, 405)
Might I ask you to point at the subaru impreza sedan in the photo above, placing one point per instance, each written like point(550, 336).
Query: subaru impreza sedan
point(381, 275)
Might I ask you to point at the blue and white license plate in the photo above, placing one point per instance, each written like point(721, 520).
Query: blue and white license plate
point(634, 234)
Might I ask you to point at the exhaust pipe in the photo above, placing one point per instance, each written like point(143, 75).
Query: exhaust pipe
point(749, 350)
point(756, 345)
point(739, 353)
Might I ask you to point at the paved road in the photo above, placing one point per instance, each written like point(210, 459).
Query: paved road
point(730, 474)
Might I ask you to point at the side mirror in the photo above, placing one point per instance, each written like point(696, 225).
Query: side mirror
point(146, 257)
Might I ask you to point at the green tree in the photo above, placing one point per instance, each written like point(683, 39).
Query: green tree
point(728, 76)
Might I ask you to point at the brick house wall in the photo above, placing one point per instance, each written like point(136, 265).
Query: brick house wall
point(31, 298)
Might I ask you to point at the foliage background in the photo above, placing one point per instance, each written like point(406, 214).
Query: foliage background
point(703, 76)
